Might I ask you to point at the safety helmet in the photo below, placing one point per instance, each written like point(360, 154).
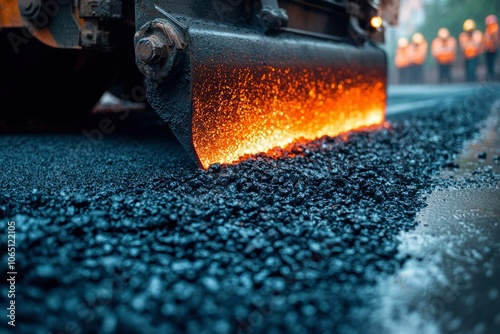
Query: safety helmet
point(490, 19)
point(417, 38)
point(469, 25)
point(443, 33)
point(403, 42)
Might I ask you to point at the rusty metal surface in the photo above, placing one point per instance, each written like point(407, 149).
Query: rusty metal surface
point(51, 22)
point(389, 10)
point(67, 24)
point(9, 14)
point(316, 19)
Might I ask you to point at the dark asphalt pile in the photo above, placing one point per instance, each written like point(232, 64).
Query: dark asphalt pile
point(125, 235)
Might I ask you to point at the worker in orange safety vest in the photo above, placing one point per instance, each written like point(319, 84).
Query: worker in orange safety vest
point(491, 42)
point(471, 44)
point(444, 50)
point(419, 48)
point(402, 60)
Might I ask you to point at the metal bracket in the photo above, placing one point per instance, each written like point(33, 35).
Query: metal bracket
point(101, 9)
point(94, 12)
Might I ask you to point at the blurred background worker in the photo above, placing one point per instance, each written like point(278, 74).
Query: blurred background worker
point(471, 45)
point(418, 51)
point(491, 42)
point(444, 50)
point(402, 60)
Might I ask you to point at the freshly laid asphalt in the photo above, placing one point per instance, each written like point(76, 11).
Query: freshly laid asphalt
point(122, 233)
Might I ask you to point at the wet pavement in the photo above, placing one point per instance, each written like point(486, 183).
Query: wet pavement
point(451, 282)
point(483, 152)
point(393, 230)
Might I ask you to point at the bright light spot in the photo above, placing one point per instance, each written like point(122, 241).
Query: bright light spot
point(376, 22)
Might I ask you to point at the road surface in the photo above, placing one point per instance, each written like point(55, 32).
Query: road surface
point(394, 230)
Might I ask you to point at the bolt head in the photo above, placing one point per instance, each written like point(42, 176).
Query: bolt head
point(30, 8)
point(150, 50)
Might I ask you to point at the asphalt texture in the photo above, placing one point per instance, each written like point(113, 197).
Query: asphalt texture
point(122, 233)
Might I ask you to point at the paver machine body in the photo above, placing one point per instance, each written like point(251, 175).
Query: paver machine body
point(230, 77)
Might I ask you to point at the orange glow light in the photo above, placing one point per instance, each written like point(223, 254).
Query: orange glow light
point(242, 111)
point(376, 22)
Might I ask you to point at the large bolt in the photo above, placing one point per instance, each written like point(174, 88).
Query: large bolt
point(159, 48)
point(150, 50)
point(30, 8)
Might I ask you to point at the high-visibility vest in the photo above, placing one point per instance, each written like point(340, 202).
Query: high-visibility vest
point(419, 53)
point(444, 50)
point(403, 57)
point(471, 43)
point(491, 40)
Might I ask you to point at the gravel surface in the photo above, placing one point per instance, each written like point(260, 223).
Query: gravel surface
point(124, 234)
